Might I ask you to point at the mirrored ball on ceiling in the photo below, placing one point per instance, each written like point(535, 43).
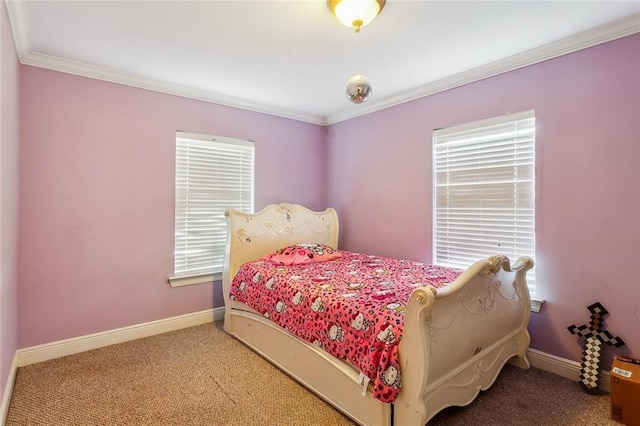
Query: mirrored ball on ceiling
point(358, 89)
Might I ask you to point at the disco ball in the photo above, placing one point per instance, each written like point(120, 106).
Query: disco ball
point(358, 89)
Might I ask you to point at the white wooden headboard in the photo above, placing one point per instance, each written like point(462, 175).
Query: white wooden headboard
point(253, 235)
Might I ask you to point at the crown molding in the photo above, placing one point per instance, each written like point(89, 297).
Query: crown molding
point(19, 26)
point(19, 29)
point(609, 32)
point(599, 35)
point(106, 74)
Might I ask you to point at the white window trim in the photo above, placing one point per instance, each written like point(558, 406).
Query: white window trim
point(180, 280)
point(195, 279)
point(535, 303)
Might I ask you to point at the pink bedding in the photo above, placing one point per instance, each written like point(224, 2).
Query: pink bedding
point(352, 307)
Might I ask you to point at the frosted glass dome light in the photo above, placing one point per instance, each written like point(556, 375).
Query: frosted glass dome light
point(356, 13)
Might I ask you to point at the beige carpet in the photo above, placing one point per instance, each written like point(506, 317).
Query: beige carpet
point(202, 376)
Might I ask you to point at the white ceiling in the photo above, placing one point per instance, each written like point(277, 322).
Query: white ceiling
point(293, 58)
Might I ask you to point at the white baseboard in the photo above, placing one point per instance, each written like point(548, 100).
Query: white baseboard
point(547, 362)
point(563, 367)
point(76, 345)
point(8, 390)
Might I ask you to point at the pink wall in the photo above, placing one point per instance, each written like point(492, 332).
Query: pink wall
point(96, 175)
point(587, 108)
point(97, 198)
point(8, 200)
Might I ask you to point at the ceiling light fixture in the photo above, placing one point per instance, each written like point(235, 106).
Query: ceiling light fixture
point(358, 89)
point(356, 13)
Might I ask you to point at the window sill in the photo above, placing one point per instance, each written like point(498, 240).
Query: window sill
point(536, 305)
point(192, 280)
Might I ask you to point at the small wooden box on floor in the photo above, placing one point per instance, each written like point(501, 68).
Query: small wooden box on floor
point(625, 391)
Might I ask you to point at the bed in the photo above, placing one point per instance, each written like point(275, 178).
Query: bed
point(454, 342)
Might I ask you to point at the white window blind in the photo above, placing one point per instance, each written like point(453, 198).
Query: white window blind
point(484, 191)
point(212, 174)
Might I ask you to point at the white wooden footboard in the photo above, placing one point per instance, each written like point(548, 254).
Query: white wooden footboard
point(458, 338)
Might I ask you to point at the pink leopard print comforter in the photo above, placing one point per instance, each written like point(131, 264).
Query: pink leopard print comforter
point(352, 307)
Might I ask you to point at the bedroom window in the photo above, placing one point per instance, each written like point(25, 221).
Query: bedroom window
point(484, 191)
point(212, 174)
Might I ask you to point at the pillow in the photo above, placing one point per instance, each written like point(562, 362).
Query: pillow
point(303, 253)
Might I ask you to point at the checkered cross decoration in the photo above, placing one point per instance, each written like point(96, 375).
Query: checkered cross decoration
point(595, 336)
